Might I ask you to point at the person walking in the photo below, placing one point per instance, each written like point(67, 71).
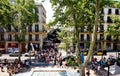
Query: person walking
point(88, 72)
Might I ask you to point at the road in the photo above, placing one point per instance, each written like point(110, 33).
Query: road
point(6, 56)
point(113, 54)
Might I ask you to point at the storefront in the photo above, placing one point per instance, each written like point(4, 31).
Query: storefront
point(12, 47)
point(2, 47)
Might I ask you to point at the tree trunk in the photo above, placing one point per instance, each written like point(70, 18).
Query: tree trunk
point(78, 49)
point(19, 55)
point(91, 49)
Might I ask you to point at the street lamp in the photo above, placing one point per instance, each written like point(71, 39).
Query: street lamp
point(108, 64)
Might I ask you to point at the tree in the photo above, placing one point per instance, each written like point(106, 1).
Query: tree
point(78, 14)
point(6, 14)
point(75, 14)
point(66, 37)
point(20, 14)
point(92, 44)
point(114, 28)
point(24, 15)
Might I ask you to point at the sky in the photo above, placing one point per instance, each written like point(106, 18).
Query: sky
point(49, 11)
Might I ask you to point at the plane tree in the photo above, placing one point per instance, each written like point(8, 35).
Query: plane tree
point(19, 14)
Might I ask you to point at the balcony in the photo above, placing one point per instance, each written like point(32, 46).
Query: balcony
point(29, 30)
point(10, 31)
point(36, 30)
point(9, 39)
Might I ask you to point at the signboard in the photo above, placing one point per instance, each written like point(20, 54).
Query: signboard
point(85, 53)
point(99, 53)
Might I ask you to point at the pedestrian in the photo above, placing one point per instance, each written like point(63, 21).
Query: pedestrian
point(27, 64)
point(2, 69)
point(88, 72)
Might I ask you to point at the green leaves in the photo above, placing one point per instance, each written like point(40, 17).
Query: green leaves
point(114, 29)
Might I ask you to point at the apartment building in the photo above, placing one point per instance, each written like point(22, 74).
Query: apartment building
point(35, 33)
point(103, 41)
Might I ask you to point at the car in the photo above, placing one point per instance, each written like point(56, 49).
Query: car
point(31, 53)
point(15, 54)
point(10, 50)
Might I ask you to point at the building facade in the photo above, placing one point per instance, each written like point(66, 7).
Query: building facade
point(103, 41)
point(35, 34)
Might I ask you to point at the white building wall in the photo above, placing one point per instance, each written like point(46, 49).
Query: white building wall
point(26, 37)
point(33, 37)
point(105, 11)
point(113, 10)
point(33, 28)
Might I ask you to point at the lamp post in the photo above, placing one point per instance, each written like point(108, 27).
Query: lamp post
point(108, 64)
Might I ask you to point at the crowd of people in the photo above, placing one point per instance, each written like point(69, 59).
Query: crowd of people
point(49, 55)
point(14, 67)
point(45, 55)
point(98, 65)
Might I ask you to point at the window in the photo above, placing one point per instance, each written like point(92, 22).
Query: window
point(117, 12)
point(102, 12)
point(116, 38)
point(2, 37)
point(82, 30)
point(81, 45)
point(108, 46)
point(89, 28)
point(101, 37)
point(30, 37)
point(1, 30)
point(36, 28)
point(102, 18)
point(114, 46)
point(36, 10)
point(16, 37)
point(16, 29)
point(37, 37)
point(88, 37)
point(109, 11)
point(101, 28)
point(9, 28)
point(109, 20)
point(108, 37)
point(30, 28)
point(82, 37)
point(9, 37)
